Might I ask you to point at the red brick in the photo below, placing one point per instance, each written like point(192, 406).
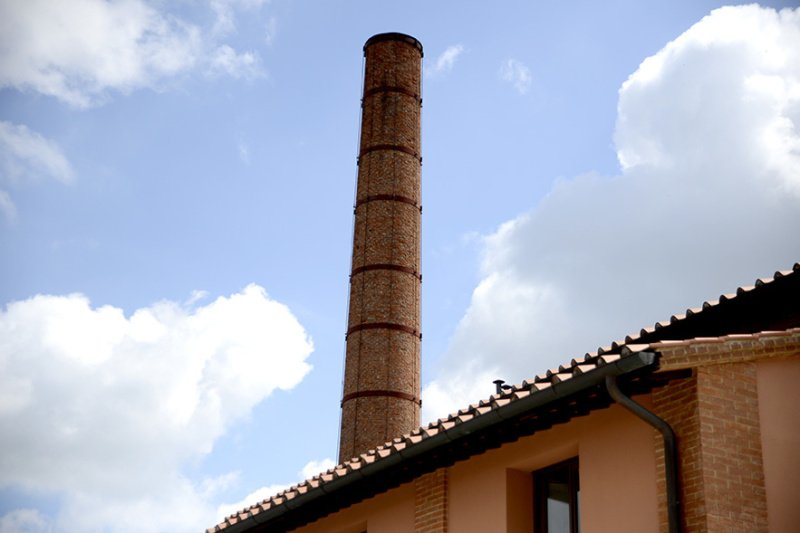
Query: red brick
point(715, 416)
point(385, 279)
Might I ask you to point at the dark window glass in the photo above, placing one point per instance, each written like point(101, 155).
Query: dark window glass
point(557, 498)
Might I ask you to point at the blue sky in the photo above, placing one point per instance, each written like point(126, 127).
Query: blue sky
point(176, 187)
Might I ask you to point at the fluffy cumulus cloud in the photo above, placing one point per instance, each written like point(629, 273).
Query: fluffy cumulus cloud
point(76, 51)
point(103, 410)
point(517, 74)
point(708, 139)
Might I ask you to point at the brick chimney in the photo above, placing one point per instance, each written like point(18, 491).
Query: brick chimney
point(381, 397)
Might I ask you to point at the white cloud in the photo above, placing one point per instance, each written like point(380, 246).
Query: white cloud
point(517, 74)
point(254, 497)
point(104, 410)
point(25, 155)
point(708, 199)
point(446, 60)
point(227, 61)
point(311, 469)
point(7, 207)
point(741, 92)
point(225, 13)
point(76, 51)
point(25, 521)
point(196, 296)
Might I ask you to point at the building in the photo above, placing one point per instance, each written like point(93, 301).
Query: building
point(691, 425)
point(723, 376)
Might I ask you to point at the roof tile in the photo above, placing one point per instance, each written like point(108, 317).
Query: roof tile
point(518, 395)
point(564, 376)
point(607, 359)
point(582, 369)
point(500, 402)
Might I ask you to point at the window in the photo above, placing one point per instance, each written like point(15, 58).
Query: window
point(556, 493)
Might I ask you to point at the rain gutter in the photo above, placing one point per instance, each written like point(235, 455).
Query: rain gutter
point(670, 449)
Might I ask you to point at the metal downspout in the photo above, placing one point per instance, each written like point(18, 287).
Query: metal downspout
point(670, 450)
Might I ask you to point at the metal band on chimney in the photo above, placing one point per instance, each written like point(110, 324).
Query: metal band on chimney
point(390, 393)
point(388, 198)
point(384, 325)
point(386, 266)
point(391, 89)
point(394, 147)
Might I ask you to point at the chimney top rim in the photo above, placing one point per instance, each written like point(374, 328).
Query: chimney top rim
point(394, 36)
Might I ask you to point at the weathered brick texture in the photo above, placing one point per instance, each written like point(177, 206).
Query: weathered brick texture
point(715, 416)
point(382, 361)
point(728, 349)
point(430, 502)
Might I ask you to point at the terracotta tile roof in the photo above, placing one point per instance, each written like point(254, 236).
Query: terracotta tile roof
point(634, 354)
point(696, 320)
point(397, 446)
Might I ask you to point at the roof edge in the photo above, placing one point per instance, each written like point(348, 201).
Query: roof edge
point(634, 362)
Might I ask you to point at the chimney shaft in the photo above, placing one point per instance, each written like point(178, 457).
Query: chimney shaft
point(381, 397)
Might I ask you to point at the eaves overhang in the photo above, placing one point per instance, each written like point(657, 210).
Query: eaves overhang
point(490, 424)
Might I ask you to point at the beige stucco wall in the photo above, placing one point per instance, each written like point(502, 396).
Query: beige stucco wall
point(778, 400)
point(390, 512)
point(617, 473)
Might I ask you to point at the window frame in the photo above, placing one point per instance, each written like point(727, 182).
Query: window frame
point(540, 495)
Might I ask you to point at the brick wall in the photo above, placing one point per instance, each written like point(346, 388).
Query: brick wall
point(430, 502)
point(677, 405)
point(728, 349)
point(715, 416)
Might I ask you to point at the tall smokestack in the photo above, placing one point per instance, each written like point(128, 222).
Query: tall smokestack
point(381, 398)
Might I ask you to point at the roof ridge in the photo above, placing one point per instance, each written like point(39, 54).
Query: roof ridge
point(692, 311)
